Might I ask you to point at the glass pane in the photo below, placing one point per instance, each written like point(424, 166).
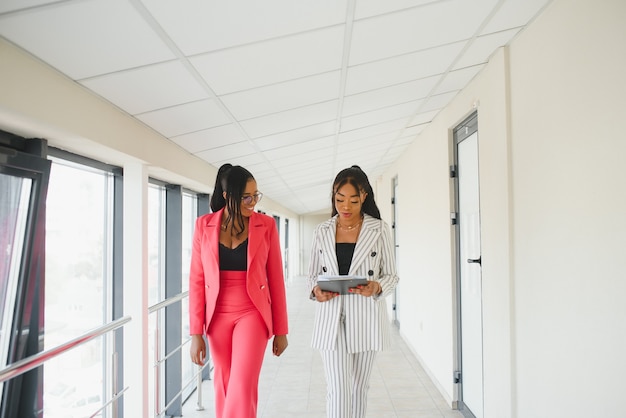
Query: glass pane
point(156, 238)
point(76, 285)
point(79, 394)
point(156, 274)
point(14, 202)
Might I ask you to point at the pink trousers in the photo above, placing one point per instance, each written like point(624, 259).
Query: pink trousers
point(237, 342)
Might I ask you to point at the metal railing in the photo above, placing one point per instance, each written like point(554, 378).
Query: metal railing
point(20, 367)
point(197, 377)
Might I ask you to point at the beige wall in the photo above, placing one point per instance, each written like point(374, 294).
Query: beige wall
point(553, 199)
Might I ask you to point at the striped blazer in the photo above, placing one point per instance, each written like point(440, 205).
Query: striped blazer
point(367, 322)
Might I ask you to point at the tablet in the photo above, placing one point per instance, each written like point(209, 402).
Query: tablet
point(340, 284)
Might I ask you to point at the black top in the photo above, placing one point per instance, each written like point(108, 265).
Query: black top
point(344, 250)
point(234, 259)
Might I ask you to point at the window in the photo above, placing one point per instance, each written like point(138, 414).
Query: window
point(77, 284)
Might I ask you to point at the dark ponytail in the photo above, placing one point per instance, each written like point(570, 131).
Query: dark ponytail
point(357, 178)
point(217, 200)
point(232, 180)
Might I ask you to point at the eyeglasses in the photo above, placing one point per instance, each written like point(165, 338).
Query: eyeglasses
point(247, 200)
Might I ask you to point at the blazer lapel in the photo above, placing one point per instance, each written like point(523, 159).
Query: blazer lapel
point(256, 231)
point(328, 243)
point(370, 231)
point(212, 231)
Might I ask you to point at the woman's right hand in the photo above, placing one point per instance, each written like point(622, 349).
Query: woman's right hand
point(322, 295)
point(198, 349)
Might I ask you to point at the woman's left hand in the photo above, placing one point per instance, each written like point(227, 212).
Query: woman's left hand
point(373, 288)
point(279, 345)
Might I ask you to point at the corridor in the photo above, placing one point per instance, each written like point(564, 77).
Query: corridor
point(293, 385)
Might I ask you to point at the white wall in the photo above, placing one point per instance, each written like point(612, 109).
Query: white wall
point(553, 199)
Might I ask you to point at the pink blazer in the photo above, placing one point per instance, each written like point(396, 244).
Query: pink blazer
point(266, 285)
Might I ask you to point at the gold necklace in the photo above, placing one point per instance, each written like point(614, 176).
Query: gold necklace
point(351, 227)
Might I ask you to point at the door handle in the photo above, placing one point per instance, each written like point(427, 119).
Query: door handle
point(475, 260)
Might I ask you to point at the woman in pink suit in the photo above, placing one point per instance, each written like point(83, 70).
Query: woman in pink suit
point(236, 291)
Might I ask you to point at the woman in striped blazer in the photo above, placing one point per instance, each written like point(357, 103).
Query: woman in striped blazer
point(350, 329)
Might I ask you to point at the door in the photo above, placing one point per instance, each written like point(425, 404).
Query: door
point(469, 270)
point(394, 226)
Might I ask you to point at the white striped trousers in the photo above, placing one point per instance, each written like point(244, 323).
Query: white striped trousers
point(347, 379)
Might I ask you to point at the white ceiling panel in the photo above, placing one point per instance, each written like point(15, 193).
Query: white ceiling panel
point(294, 136)
point(99, 42)
point(456, 80)
point(480, 50)
point(514, 14)
point(246, 161)
point(148, 88)
point(186, 118)
point(435, 103)
point(226, 152)
point(402, 68)
point(388, 96)
point(272, 61)
point(421, 118)
point(291, 119)
point(293, 91)
point(417, 29)
point(10, 5)
point(210, 138)
point(382, 128)
point(207, 25)
point(302, 148)
point(378, 116)
point(288, 95)
point(369, 8)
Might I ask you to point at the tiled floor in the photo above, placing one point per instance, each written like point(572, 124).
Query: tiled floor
point(293, 386)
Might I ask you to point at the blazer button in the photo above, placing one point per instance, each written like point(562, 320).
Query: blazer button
point(320, 251)
point(324, 269)
point(370, 273)
point(262, 286)
point(207, 286)
point(373, 254)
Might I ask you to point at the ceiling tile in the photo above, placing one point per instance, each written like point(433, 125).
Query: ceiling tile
point(302, 148)
point(457, 80)
point(422, 117)
point(144, 89)
point(186, 118)
point(370, 131)
point(388, 96)
point(288, 95)
point(271, 62)
point(291, 119)
point(481, 49)
point(246, 161)
point(86, 38)
point(201, 25)
point(513, 14)
point(402, 68)
point(417, 29)
point(226, 152)
point(297, 135)
point(378, 116)
point(263, 84)
point(210, 138)
point(11, 5)
point(435, 103)
point(368, 8)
